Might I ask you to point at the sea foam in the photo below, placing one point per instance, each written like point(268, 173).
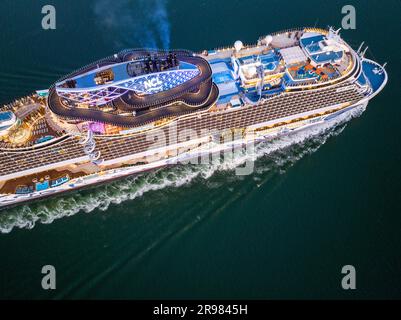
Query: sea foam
point(278, 155)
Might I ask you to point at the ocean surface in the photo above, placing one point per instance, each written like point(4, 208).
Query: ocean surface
point(316, 201)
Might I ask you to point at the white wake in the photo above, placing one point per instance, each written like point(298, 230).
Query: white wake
point(273, 155)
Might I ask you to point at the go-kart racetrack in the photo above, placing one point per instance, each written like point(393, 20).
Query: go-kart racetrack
point(196, 93)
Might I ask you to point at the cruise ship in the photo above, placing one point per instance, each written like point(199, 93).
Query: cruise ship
point(142, 109)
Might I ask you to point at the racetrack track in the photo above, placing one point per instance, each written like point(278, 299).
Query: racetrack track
point(197, 93)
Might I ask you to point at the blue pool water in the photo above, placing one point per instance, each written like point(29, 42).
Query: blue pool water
point(314, 47)
point(269, 58)
point(328, 56)
point(307, 41)
point(270, 66)
point(222, 77)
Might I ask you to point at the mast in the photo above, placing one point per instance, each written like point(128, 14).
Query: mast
point(360, 47)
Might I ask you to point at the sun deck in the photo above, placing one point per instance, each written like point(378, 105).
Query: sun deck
point(279, 62)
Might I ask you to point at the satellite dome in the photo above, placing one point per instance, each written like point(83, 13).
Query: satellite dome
point(268, 39)
point(238, 45)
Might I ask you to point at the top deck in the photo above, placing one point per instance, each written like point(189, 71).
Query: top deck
point(138, 87)
point(279, 62)
point(118, 73)
point(280, 67)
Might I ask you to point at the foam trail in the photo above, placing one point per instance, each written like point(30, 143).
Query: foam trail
point(274, 155)
point(128, 23)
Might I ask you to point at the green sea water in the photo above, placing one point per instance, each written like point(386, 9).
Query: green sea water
point(317, 201)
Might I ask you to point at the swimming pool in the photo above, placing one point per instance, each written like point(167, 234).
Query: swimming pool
point(313, 47)
point(269, 58)
point(270, 66)
point(222, 77)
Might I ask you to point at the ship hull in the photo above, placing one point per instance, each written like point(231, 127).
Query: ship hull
point(9, 201)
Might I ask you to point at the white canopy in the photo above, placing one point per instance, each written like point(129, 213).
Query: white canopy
point(293, 55)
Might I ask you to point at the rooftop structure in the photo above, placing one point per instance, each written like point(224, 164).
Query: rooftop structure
point(143, 76)
point(322, 49)
point(293, 55)
point(146, 84)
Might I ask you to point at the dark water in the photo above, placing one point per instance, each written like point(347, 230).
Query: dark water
point(311, 207)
